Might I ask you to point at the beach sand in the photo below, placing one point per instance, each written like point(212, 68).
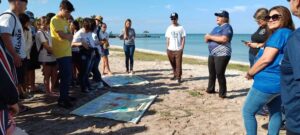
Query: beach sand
point(179, 109)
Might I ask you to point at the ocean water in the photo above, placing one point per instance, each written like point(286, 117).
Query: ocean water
point(195, 45)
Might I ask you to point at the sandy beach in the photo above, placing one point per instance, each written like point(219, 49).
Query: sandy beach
point(178, 110)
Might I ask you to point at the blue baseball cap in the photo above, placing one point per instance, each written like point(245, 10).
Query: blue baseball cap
point(174, 15)
point(222, 13)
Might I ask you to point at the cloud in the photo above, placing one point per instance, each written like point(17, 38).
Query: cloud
point(236, 9)
point(168, 6)
point(42, 1)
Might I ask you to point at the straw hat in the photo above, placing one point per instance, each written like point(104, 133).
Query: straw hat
point(100, 18)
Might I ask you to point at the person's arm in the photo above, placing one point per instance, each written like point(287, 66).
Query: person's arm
point(47, 47)
point(67, 36)
point(182, 43)
point(168, 42)
point(219, 39)
point(255, 45)
point(267, 58)
point(7, 40)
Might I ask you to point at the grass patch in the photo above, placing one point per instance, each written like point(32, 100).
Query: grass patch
point(195, 93)
point(157, 57)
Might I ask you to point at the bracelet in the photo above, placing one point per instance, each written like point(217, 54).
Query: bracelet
point(257, 46)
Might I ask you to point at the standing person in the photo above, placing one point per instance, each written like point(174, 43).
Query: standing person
point(84, 40)
point(290, 77)
point(266, 73)
point(128, 36)
point(259, 37)
point(175, 38)
point(74, 27)
point(104, 37)
point(96, 59)
point(258, 40)
point(44, 45)
point(61, 38)
point(25, 22)
point(219, 44)
point(8, 88)
point(99, 22)
point(32, 54)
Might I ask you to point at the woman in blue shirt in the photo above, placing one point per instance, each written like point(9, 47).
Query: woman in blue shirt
point(219, 45)
point(266, 73)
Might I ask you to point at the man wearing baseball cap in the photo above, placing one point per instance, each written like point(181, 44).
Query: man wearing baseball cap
point(175, 37)
point(219, 44)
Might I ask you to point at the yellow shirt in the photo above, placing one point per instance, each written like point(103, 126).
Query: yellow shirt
point(61, 47)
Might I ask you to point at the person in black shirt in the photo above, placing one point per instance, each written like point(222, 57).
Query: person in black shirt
point(260, 36)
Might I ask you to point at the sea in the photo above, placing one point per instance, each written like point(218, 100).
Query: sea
point(195, 45)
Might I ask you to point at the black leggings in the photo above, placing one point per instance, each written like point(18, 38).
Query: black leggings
point(217, 67)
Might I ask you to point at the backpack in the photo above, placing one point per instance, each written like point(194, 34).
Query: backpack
point(35, 52)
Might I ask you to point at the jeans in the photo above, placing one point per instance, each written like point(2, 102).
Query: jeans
point(288, 132)
point(255, 100)
point(95, 68)
point(129, 53)
point(175, 58)
point(217, 66)
point(65, 72)
point(85, 69)
point(251, 59)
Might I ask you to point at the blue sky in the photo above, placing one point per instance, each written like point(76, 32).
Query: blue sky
point(153, 15)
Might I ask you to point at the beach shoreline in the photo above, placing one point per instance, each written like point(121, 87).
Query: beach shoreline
point(184, 55)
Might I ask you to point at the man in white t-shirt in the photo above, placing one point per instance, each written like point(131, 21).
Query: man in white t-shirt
point(12, 35)
point(175, 36)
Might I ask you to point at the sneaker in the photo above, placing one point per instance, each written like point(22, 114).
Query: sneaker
point(65, 104)
point(100, 85)
point(131, 72)
point(223, 96)
point(173, 78)
point(210, 91)
point(179, 81)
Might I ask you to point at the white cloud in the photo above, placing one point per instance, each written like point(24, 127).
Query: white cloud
point(168, 6)
point(42, 1)
point(236, 9)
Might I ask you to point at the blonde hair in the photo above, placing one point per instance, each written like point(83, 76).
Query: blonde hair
point(261, 14)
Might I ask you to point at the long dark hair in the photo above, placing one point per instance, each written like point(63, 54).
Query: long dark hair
point(126, 29)
point(24, 19)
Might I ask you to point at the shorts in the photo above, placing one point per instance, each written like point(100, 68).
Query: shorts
point(54, 63)
point(33, 64)
point(105, 52)
point(21, 71)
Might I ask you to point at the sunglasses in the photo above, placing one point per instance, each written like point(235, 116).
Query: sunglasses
point(173, 18)
point(288, 0)
point(275, 17)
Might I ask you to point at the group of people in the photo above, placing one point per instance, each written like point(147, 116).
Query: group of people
point(71, 50)
point(68, 51)
point(274, 64)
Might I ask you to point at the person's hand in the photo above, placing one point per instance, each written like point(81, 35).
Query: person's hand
point(17, 60)
point(14, 109)
point(207, 38)
point(248, 76)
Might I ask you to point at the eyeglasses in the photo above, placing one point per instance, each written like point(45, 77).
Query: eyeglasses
point(274, 17)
